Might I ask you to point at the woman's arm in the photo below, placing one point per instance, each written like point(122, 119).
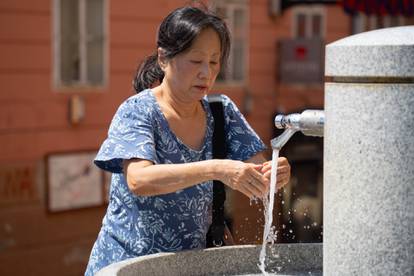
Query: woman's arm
point(145, 178)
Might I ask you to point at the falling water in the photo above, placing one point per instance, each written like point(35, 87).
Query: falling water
point(268, 212)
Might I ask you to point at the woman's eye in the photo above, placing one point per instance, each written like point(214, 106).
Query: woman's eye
point(196, 61)
point(214, 62)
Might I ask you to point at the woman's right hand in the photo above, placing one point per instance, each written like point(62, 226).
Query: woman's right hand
point(243, 177)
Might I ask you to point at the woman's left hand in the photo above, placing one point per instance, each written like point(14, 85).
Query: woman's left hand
point(283, 171)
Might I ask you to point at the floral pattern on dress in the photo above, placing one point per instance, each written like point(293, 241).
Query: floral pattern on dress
point(140, 225)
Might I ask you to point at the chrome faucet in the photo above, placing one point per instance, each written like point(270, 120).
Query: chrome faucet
point(309, 122)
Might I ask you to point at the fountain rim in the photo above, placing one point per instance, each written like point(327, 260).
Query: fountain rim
point(219, 255)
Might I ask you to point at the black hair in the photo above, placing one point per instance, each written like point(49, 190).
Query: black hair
point(175, 35)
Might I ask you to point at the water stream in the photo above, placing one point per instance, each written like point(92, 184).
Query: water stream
point(268, 201)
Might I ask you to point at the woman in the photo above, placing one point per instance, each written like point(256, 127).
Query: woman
point(159, 147)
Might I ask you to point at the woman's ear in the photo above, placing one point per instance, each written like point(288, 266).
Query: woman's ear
point(162, 59)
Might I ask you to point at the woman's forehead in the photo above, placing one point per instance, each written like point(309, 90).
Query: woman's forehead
point(207, 42)
point(197, 51)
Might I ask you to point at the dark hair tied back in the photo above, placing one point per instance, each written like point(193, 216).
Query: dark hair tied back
point(175, 35)
point(148, 73)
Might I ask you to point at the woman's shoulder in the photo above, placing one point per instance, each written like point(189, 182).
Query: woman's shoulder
point(144, 97)
point(142, 102)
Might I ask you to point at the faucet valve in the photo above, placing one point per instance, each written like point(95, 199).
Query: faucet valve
point(288, 121)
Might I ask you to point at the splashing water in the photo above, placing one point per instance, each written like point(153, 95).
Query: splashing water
point(268, 212)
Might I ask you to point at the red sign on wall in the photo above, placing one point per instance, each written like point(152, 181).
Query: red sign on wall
point(301, 61)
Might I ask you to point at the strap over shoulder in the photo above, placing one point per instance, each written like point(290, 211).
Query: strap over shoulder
point(217, 109)
point(213, 98)
point(215, 235)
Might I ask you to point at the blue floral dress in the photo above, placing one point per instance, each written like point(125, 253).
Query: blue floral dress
point(141, 225)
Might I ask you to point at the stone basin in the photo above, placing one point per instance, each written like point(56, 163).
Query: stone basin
point(282, 259)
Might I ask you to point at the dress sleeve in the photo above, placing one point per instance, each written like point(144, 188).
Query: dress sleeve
point(130, 135)
point(242, 141)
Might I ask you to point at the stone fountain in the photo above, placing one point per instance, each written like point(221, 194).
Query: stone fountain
point(369, 154)
point(368, 175)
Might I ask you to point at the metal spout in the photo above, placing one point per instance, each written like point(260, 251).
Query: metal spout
point(278, 142)
point(309, 122)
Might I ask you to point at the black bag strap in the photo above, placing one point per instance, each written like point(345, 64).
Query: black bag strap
point(215, 235)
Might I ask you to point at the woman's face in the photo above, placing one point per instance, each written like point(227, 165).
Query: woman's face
point(190, 75)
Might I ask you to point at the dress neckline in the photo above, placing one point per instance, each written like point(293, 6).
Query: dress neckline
point(209, 122)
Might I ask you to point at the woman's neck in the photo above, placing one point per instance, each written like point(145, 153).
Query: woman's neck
point(174, 104)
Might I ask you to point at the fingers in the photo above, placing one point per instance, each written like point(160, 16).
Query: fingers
point(257, 177)
point(251, 190)
point(246, 178)
point(260, 181)
point(280, 176)
point(257, 167)
point(255, 182)
point(282, 180)
point(281, 163)
point(283, 171)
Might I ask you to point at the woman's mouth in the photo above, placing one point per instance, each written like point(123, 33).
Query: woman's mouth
point(201, 87)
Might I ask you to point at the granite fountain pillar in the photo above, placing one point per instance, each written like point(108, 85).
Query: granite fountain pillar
point(369, 154)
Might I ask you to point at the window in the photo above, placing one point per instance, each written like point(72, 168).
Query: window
point(309, 22)
point(80, 43)
point(364, 23)
point(235, 14)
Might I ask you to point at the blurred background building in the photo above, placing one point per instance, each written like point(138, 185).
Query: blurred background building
point(65, 67)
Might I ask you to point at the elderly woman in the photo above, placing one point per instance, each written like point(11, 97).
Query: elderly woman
point(159, 147)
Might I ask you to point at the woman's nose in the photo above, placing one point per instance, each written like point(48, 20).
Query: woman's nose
point(204, 71)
